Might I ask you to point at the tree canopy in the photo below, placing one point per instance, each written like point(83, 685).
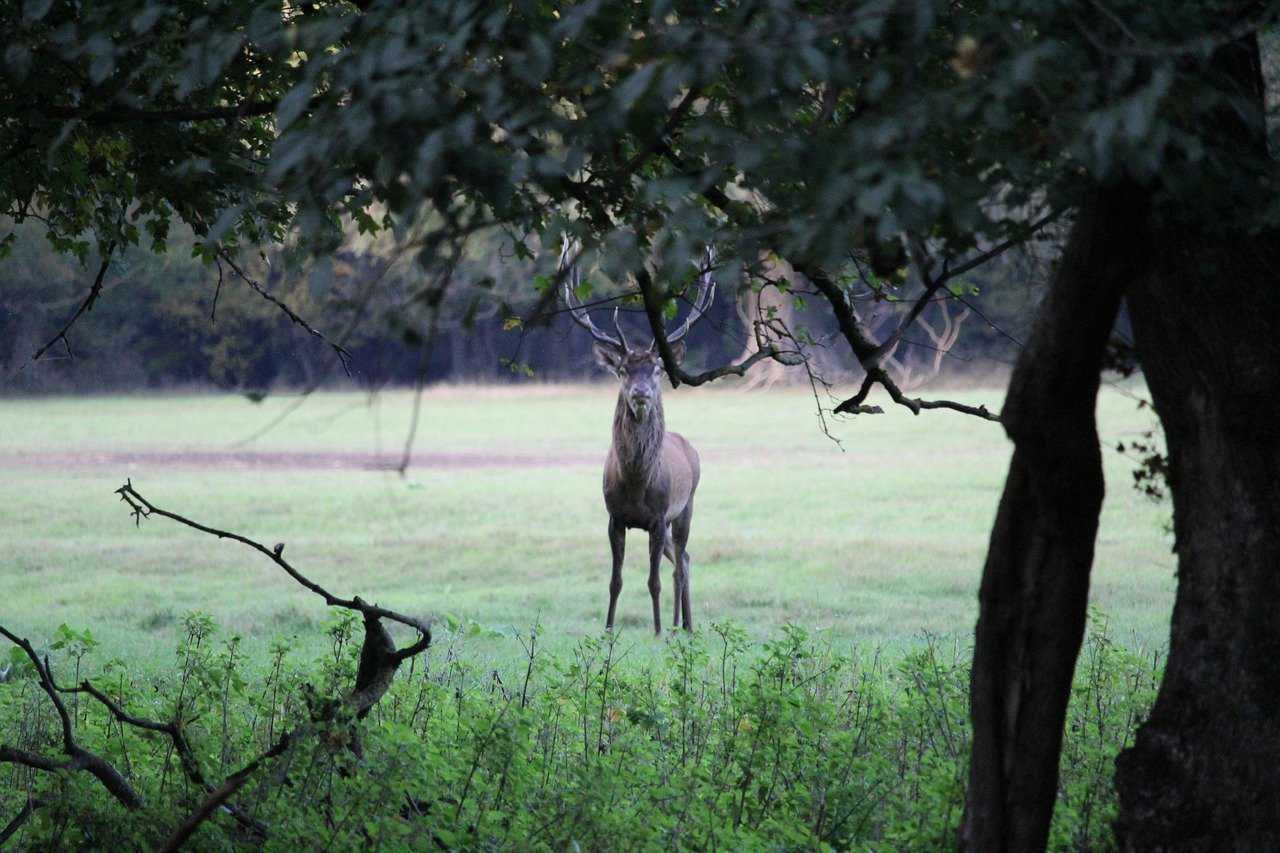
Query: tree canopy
point(867, 142)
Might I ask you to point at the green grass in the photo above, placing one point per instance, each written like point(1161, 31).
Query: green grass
point(876, 543)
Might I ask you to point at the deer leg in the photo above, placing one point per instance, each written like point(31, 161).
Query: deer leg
point(657, 539)
point(680, 537)
point(673, 555)
point(617, 544)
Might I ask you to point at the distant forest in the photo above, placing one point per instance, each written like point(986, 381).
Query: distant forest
point(175, 322)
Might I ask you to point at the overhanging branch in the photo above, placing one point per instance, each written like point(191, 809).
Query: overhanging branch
point(865, 349)
point(343, 355)
point(85, 307)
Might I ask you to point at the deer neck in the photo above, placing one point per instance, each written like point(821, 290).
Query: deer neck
point(637, 444)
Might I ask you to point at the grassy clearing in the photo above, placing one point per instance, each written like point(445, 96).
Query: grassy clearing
point(873, 545)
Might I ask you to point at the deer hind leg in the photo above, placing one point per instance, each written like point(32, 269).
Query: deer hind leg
point(657, 542)
point(617, 544)
point(682, 561)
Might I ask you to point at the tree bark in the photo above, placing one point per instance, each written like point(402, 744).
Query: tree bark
point(1204, 772)
point(1035, 582)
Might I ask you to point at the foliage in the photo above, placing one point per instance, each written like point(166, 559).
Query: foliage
point(722, 743)
point(810, 129)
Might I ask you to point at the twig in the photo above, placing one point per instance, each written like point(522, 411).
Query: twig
point(865, 349)
point(226, 791)
point(653, 312)
point(217, 291)
point(436, 301)
point(142, 508)
point(80, 758)
point(379, 660)
point(343, 355)
point(85, 307)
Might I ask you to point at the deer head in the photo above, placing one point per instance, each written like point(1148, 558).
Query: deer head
point(640, 370)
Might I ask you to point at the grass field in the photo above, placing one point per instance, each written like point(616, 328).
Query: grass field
point(501, 520)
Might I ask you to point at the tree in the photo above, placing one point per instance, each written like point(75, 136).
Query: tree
point(897, 145)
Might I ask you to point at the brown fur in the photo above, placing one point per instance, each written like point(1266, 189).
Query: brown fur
point(650, 477)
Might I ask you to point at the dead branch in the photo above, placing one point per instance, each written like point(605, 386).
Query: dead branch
point(865, 348)
point(142, 508)
point(85, 307)
point(28, 809)
point(226, 791)
point(379, 657)
point(379, 660)
point(78, 757)
point(344, 356)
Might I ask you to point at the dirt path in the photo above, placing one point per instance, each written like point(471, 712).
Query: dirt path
point(276, 461)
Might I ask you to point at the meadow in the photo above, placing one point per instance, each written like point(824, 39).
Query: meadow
point(873, 542)
point(823, 704)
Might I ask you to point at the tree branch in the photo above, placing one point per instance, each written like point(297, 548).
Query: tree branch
point(28, 809)
point(864, 347)
point(344, 355)
point(226, 791)
point(379, 660)
point(80, 758)
point(653, 312)
point(85, 307)
point(142, 508)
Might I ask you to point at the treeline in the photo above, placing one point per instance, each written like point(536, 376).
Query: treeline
point(174, 321)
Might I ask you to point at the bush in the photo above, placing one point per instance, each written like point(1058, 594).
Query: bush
point(724, 743)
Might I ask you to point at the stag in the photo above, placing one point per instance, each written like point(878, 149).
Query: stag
point(650, 474)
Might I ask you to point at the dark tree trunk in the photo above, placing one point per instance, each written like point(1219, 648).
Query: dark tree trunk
point(1036, 579)
point(1204, 773)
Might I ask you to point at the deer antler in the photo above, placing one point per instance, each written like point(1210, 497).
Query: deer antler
point(701, 302)
point(572, 280)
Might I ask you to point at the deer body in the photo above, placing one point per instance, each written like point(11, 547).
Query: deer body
point(650, 474)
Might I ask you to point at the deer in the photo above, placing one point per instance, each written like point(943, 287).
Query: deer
point(650, 473)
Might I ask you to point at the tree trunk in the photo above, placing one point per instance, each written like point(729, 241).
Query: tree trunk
point(1036, 579)
point(1204, 772)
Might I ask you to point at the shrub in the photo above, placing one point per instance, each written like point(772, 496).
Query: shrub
point(723, 743)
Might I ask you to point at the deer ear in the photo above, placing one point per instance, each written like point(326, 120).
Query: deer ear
point(677, 351)
point(608, 356)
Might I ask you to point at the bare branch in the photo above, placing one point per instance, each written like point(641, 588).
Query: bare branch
point(227, 790)
point(864, 347)
point(141, 508)
point(916, 253)
point(436, 301)
point(85, 307)
point(28, 809)
point(653, 311)
point(379, 660)
point(343, 355)
point(80, 758)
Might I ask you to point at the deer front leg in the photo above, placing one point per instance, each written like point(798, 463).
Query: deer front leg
point(672, 551)
point(657, 539)
point(617, 544)
point(680, 559)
